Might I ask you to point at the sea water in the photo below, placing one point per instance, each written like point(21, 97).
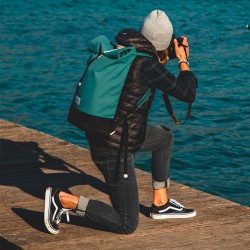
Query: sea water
point(43, 51)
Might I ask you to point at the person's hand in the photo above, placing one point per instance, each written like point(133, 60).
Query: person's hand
point(180, 51)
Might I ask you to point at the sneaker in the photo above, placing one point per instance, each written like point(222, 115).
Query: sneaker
point(53, 210)
point(172, 209)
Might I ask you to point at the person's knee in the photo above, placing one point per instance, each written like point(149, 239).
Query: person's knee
point(129, 228)
point(129, 223)
point(169, 135)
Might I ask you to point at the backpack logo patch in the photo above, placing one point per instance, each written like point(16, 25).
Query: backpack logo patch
point(77, 100)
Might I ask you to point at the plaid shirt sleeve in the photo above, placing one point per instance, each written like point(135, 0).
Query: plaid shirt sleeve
point(155, 75)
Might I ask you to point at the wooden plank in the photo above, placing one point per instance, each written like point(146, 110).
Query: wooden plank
point(31, 160)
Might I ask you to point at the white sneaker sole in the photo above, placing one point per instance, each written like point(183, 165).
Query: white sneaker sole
point(48, 195)
point(172, 216)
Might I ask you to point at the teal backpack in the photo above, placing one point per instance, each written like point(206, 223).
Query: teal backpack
point(98, 92)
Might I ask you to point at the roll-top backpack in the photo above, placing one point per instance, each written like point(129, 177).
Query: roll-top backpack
point(98, 92)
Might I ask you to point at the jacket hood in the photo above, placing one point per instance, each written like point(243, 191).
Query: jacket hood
point(134, 38)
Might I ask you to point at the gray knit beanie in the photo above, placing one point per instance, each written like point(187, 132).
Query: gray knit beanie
point(158, 29)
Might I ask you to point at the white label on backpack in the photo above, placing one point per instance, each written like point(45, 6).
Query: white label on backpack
point(77, 100)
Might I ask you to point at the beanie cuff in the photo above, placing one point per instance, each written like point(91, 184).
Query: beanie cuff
point(161, 46)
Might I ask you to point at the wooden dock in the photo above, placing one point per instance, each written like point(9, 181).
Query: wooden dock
point(31, 161)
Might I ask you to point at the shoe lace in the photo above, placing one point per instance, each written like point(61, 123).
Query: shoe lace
point(60, 213)
point(176, 203)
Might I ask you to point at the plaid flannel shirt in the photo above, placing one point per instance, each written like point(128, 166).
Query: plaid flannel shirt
point(155, 75)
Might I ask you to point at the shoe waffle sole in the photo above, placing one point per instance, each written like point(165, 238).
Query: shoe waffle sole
point(172, 216)
point(47, 223)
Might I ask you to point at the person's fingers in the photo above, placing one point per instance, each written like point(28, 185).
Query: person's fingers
point(175, 43)
point(176, 48)
point(184, 40)
point(181, 52)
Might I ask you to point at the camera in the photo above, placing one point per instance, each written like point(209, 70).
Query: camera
point(171, 49)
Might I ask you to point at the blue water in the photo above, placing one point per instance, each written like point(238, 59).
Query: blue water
point(43, 49)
